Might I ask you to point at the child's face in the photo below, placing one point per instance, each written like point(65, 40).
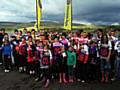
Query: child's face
point(84, 34)
point(29, 34)
point(93, 44)
point(30, 39)
point(45, 48)
point(70, 48)
point(105, 39)
point(23, 40)
point(40, 44)
point(6, 36)
point(16, 33)
point(56, 40)
point(5, 42)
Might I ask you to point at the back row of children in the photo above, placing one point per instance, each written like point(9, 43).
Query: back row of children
point(66, 56)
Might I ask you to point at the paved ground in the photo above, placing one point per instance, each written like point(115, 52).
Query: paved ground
point(18, 81)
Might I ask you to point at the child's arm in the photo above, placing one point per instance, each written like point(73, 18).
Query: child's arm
point(74, 61)
point(1, 48)
point(86, 54)
point(110, 48)
point(50, 57)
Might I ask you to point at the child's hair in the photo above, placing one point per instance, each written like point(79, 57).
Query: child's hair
point(15, 30)
point(71, 48)
point(104, 39)
point(2, 29)
point(92, 42)
point(30, 37)
point(119, 37)
point(33, 30)
point(20, 31)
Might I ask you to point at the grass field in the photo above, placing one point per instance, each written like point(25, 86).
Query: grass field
point(11, 26)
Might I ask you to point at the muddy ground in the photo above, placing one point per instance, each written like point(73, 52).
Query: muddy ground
point(20, 81)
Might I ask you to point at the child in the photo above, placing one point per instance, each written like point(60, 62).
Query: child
point(93, 60)
point(22, 55)
point(15, 45)
point(6, 50)
point(38, 56)
point(63, 66)
point(105, 52)
point(82, 61)
point(117, 61)
point(56, 57)
point(45, 63)
point(30, 59)
point(71, 63)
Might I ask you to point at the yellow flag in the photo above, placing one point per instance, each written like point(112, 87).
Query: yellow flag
point(38, 13)
point(68, 16)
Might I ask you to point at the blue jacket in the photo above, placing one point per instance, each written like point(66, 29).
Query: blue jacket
point(7, 49)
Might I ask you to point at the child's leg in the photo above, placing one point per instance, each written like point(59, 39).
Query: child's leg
point(70, 73)
point(28, 67)
point(117, 68)
point(102, 71)
point(1, 59)
point(21, 58)
point(64, 70)
point(107, 71)
point(24, 63)
point(6, 63)
point(10, 63)
point(77, 71)
point(84, 72)
point(47, 76)
point(60, 77)
point(32, 67)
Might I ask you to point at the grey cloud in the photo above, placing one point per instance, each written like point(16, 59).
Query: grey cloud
point(94, 11)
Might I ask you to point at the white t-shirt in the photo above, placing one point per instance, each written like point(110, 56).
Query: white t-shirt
point(117, 46)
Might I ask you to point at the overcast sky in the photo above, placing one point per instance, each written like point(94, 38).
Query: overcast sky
point(84, 11)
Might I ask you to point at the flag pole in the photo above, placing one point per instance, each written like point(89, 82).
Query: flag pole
point(38, 13)
point(68, 15)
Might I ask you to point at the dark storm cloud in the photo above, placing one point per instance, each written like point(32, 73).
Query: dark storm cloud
point(93, 11)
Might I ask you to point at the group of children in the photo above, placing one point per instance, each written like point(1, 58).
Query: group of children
point(66, 56)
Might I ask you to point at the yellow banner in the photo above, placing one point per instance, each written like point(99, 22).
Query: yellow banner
point(68, 16)
point(38, 13)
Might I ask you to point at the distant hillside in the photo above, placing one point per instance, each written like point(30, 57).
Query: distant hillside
point(10, 26)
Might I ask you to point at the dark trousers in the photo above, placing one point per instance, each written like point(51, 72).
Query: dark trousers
point(45, 73)
point(56, 67)
point(70, 71)
point(30, 66)
point(1, 59)
point(92, 72)
point(22, 60)
point(77, 70)
point(112, 61)
point(7, 62)
point(83, 71)
point(16, 60)
point(117, 68)
point(36, 67)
